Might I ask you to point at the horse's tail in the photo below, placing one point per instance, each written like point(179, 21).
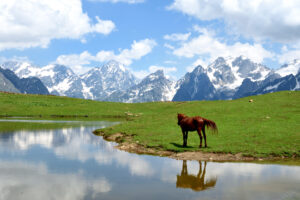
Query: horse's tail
point(211, 125)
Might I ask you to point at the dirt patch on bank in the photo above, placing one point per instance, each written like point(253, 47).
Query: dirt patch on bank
point(125, 143)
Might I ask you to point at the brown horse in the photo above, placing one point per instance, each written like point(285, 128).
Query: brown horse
point(194, 124)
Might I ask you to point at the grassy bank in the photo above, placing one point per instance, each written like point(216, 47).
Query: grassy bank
point(269, 126)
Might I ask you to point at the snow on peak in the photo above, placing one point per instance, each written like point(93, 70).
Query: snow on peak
point(156, 75)
point(113, 66)
point(291, 68)
point(229, 72)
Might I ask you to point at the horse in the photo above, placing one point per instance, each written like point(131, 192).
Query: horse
point(196, 123)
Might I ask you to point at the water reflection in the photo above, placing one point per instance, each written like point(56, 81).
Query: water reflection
point(74, 144)
point(194, 182)
point(22, 180)
point(73, 163)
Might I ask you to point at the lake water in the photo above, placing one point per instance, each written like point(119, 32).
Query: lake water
point(72, 163)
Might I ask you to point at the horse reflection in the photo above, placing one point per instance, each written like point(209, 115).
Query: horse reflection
point(196, 183)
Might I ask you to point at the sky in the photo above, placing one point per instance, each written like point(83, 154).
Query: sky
point(147, 35)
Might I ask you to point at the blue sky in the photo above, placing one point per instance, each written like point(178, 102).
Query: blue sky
point(146, 35)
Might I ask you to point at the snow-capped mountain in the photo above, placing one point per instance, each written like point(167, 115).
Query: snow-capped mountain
point(289, 82)
point(97, 83)
point(228, 74)
point(225, 78)
point(195, 85)
point(273, 83)
point(287, 69)
point(31, 85)
point(154, 87)
point(111, 77)
point(59, 79)
point(220, 79)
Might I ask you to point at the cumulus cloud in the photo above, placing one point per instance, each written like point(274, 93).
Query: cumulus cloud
point(14, 58)
point(207, 45)
point(78, 62)
point(287, 55)
point(31, 23)
point(126, 56)
point(177, 37)
point(276, 20)
point(153, 68)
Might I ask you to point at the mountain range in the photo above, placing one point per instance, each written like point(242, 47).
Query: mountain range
point(225, 78)
point(10, 82)
point(233, 78)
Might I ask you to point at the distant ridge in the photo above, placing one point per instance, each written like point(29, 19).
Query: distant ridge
point(225, 78)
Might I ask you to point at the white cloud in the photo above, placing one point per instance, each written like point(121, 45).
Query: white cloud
point(103, 26)
point(15, 58)
point(177, 37)
point(126, 56)
point(287, 56)
point(153, 68)
point(123, 1)
point(140, 74)
point(203, 62)
point(207, 45)
point(76, 62)
point(169, 46)
point(276, 20)
point(31, 23)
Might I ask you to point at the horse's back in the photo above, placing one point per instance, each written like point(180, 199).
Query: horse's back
point(192, 123)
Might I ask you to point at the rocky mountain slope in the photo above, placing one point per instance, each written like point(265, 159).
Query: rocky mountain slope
point(231, 78)
point(107, 79)
point(6, 85)
point(97, 83)
point(13, 83)
point(154, 87)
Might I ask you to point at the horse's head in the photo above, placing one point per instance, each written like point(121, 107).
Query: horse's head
point(180, 117)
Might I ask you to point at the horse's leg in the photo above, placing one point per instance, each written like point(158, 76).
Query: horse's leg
point(183, 135)
point(204, 135)
point(200, 136)
point(186, 137)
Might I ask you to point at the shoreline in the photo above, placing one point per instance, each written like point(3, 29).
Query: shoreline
point(125, 144)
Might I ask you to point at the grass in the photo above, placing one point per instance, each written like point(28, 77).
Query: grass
point(269, 126)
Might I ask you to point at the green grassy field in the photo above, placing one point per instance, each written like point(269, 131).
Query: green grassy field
point(269, 126)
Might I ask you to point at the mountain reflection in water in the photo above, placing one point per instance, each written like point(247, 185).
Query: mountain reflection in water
point(194, 182)
point(73, 163)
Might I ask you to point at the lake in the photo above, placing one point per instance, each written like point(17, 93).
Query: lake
point(72, 163)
